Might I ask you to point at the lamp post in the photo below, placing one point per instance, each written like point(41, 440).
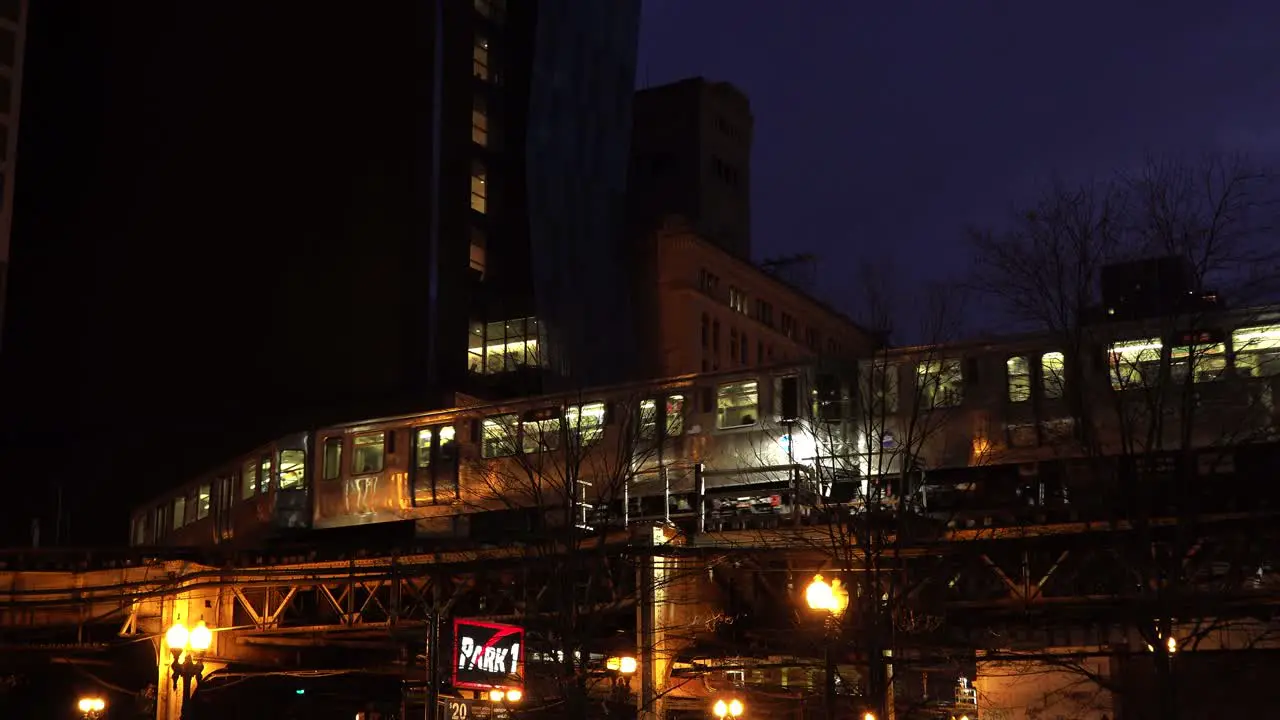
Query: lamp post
point(188, 648)
point(831, 598)
point(91, 707)
point(731, 708)
point(620, 671)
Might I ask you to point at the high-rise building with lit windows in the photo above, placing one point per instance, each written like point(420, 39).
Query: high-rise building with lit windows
point(260, 216)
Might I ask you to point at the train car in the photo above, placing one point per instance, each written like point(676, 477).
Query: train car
point(257, 496)
point(729, 448)
point(671, 449)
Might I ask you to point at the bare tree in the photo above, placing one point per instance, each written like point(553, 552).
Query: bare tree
point(1168, 388)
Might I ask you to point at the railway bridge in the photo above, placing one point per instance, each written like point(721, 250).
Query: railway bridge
point(703, 611)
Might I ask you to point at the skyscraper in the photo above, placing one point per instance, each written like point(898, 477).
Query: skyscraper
point(283, 217)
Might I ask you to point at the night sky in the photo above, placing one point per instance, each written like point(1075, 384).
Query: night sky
point(884, 129)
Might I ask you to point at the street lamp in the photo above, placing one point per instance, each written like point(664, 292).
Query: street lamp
point(833, 599)
point(620, 671)
point(188, 648)
point(731, 708)
point(91, 707)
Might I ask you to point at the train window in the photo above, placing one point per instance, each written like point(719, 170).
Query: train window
point(648, 419)
point(736, 404)
point(1257, 351)
point(675, 415)
point(586, 422)
point(1135, 363)
point(1053, 377)
point(368, 452)
point(498, 436)
point(293, 466)
point(1019, 373)
point(1205, 362)
point(332, 458)
point(264, 474)
point(540, 435)
point(423, 447)
point(248, 479)
point(192, 501)
point(179, 511)
point(941, 383)
point(204, 498)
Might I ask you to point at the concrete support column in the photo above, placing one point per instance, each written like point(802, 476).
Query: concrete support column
point(212, 605)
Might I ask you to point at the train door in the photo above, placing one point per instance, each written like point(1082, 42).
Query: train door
point(224, 489)
point(290, 486)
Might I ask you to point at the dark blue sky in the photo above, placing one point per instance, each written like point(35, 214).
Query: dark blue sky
point(884, 129)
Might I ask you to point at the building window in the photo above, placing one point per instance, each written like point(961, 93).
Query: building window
point(332, 458)
point(1019, 374)
point(1208, 361)
point(736, 404)
point(733, 345)
point(813, 339)
point(204, 500)
point(706, 331)
point(708, 282)
point(497, 436)
point(293, 465)
point(586, 422)
point(435, 476)
point(480, 58)
point(737, 300)
point(744, 346)
point(504, 346)
point(1257, 351)
point(479, 187)
point(479, 256)
point(1135, 363)
point(248, 479)
point(764, 312)
point(368, 452)
point(788, 326)
point(1053, 374)
point(941, 383)
point(479, 121)
point(759, 352)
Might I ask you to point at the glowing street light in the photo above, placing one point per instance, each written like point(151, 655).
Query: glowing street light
point(188, 647)
point(626, 664)
point(731, 708)
point(92, 707)
point(831, 597)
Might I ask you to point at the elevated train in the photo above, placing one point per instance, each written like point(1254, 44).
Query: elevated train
point(719, 447)
point(753, 447)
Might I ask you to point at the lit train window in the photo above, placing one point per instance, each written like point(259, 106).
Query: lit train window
point(248, 479)
point(204, 498)
point(293, 465)
point(498, 436)
point(368, 453)
point(586, 422)
point(736, 404)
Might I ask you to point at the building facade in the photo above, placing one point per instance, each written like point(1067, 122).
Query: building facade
point(13, 23)
point(691, 156)
point(709, 310)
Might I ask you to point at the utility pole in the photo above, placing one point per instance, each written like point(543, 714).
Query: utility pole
point(433, 654)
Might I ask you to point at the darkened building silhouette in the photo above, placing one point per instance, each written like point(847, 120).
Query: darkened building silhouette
point(691, 156)
point(13, 23)
point(263, 218)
